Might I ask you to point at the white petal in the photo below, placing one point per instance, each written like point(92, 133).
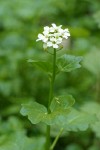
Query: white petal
point(46, 33)
point(60, 31)
point(45, 40)
point(49, 44)
point(54, 25)
point(55, 46)
point(52, 29)
point(66, 30)
point(60, 26)
point(52, 39)
point(45, 46)
point(46, 28)
point(40, 36)
point(66, 37)
point(59, 40)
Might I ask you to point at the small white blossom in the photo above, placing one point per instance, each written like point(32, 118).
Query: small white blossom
point(53, 36)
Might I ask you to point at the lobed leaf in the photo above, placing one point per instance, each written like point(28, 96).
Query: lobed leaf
point(56, 117)
point(67, 63)
point(62, 102)
point(62, 115)
point(78, 120)
point(35, 112)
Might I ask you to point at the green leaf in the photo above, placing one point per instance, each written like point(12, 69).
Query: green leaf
point(92, 62)
point(56, 117)
point(78, 120)
point(35, 112)
point(96, 128)
point(93, 108)
point(19, 141)
point(67, 63)
point(73, 146)
point(60, 107)
point(43, 65)
point(61, 102)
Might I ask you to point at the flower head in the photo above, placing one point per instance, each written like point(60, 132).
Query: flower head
point(53, 36)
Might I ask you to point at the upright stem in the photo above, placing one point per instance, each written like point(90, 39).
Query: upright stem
point(51, 92)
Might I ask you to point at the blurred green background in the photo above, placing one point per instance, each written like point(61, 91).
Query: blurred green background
point(20, 82)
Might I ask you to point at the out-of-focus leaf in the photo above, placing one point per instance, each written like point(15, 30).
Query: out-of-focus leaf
point(67, 63)
point(11, 125)
point(73, 147)
point(18, 141)
point(79, 32)
point(93, 108)
point(92, 62)
point(97, 18)
point(77, 120)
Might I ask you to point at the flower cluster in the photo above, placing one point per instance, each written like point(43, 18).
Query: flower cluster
point(53, 36)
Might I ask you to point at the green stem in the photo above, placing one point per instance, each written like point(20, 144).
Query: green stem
point(56, 139)
point(51, 92)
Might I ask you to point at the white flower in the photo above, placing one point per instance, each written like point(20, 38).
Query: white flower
point(46, 28)
point(53, 36)
point(45, 45)
point(42, 37)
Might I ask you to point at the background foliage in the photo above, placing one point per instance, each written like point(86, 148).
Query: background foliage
point(20, 23)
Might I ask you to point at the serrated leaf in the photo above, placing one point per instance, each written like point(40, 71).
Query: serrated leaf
point(19, 141)
point(78, 120)
point(67, 63)
point(92, 62)
point(61, 102)
point(43, 65)
point(35, 112)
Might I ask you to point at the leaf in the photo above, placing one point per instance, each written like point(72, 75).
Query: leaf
point(10, 125)
point(78, 120)
point(62, 102)
point(56, 117)
point(97, 17)
point(96, 128)
point(93, 108)
point(35, 112)
point(67, 63)
point(92, 62)
point(73, 146)
point(19, 141)
point(43, 65)
point(60, 107)
point(62, 115)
